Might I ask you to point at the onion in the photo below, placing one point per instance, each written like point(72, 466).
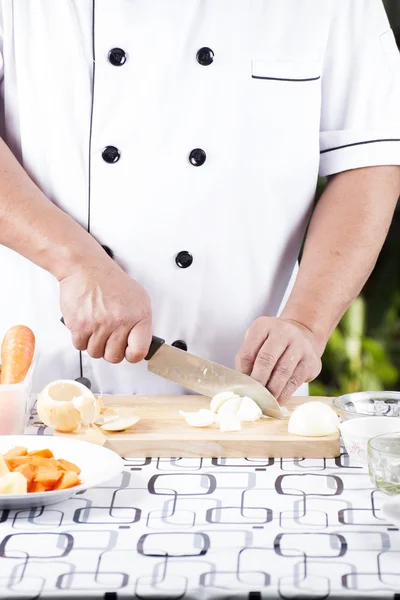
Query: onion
point(121, 423)
point(230, 406)
point(64, 405)
point(229, 422)
point(313, 419)
point(219, 399)
point(200, 418)
point(13, 483)
point(249, 410)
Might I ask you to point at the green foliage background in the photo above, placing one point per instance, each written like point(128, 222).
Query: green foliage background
point(364, 351)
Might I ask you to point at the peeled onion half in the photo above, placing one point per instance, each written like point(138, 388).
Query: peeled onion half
point(65, 405)
point(313, 419)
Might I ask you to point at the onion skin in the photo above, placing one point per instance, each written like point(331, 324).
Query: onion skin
point(59, 415)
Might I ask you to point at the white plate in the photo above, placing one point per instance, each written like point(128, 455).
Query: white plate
point(97, 465)
point(391, 511)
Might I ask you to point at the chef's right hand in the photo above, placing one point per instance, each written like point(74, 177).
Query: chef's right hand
point(107, 312)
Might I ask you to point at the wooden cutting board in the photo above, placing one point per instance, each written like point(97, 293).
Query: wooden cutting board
point(162, 432)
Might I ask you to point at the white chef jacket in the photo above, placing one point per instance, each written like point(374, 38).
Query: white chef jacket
point(270, 93)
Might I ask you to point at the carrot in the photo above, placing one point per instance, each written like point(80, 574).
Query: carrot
point(27, 471)
point(45, 453)
point(36, 487)
point(48, 477)
point(69, 479)
point(17, 451)
point(17, 352)
point(37, 461)
point(69, 466)
point(41, 470)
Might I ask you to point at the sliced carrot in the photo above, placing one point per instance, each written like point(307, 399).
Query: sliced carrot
point(57, 464)
point(27, 471)
point(41, 470)
point(17, 352)
point(47, 477)
point(69, 479)
point(37, 461)
point(17, 451)
point(36, 487)
point(69, 466)
point(45, 453)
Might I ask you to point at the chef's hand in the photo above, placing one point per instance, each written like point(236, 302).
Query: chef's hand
point(107, 312)
point(281, 354)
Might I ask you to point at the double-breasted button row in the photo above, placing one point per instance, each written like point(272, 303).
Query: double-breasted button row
point(111, 155)
point(204, 56)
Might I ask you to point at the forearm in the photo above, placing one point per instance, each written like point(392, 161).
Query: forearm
point(36, 228)
point(345, 236)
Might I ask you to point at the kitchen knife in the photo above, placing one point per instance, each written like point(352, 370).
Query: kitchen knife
point(205, 377)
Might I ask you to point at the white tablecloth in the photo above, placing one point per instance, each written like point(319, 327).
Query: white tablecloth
point(179, 528)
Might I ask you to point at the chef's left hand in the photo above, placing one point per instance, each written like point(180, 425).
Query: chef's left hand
point(281, 354)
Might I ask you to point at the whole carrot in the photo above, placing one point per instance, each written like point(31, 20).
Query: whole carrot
point(17, 352)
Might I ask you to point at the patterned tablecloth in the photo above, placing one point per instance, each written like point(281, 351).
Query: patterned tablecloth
point(191, 528)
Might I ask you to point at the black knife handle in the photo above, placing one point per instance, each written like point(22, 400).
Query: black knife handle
point(155, 345)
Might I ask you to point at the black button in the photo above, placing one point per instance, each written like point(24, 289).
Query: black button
point(205, 56)
point(111, 154)
point(197, 157)
point(108, 250)
point(184, 259)
point(180, 344)
point(85, 381)
point(117, 57)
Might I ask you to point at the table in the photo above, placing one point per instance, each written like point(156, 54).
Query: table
point(199, 529)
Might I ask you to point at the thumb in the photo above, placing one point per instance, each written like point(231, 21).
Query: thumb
point(139, 340)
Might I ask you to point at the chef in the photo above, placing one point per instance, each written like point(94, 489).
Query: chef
point(184, 139)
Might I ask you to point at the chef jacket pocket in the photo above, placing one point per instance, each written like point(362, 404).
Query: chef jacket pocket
point(280, 71)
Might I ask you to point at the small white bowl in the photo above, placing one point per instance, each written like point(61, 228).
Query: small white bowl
point(357, 432)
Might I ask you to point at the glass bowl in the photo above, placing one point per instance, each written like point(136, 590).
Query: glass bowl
point(367, 404)
point(384, 462)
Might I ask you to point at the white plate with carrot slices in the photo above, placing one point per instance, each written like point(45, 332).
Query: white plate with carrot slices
point(41, 470)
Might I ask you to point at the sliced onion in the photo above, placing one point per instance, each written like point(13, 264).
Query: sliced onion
point(230, 406)
point(249, 410)
point(121, 423)
point(200, 418)
point(219, 399)
point(229, 422)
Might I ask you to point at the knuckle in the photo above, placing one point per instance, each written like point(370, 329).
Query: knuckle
point(245, 357)
point(294, 382)
point(265, 359)
point(95, 352)
point(113, 357)
point(284, 369)
point(79, 341)
point(137, 354)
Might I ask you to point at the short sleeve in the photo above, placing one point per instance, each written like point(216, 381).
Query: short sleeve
point(360, 111)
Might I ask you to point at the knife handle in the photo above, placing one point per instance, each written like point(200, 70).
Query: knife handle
point(155, 345)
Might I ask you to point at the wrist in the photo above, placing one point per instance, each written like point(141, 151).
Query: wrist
point(309, 322)
point(72, 258)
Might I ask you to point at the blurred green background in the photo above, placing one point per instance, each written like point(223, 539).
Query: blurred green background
point(364, 351)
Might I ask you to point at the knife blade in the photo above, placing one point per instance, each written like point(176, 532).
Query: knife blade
point(206, 377)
